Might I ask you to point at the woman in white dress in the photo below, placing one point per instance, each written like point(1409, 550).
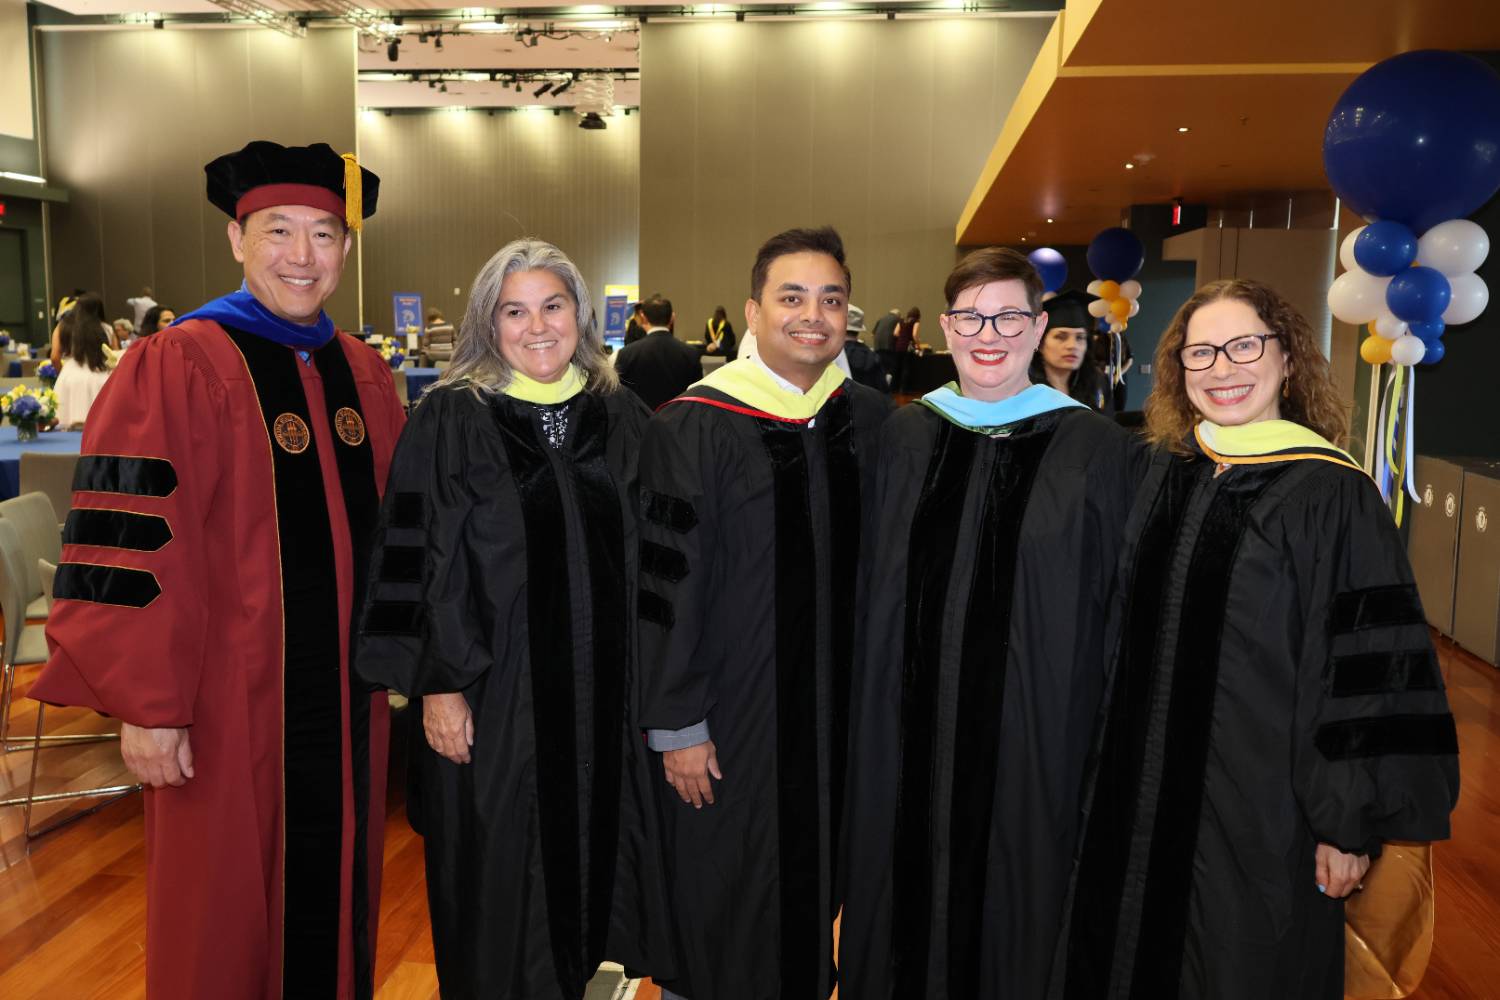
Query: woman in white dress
point(83, 374)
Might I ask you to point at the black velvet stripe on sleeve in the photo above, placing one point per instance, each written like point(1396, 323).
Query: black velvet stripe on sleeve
point(672, 513)
point(981, 697)
point(408, 510)
point(395, 618)
point(312, 726)
point(1104, 854)
point(126, 588)
point(1376, 607)
point(797, 759)
point(604, 541)
point(361, 494)
point(402, 563)
point(844, 539)
point(655, 608)
point(141, 477)
point(1387, 735)
point(116, 529)
point(930, 552)
point(1194, 684)
point(1385, 673)
point(663, 562)
point(552, 673)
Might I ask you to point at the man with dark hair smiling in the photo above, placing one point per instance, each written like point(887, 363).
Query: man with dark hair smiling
point(752, 487)
point(225, 497)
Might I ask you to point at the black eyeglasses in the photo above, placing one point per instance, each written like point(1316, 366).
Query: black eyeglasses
point(1241, 351)
point(1007, 322)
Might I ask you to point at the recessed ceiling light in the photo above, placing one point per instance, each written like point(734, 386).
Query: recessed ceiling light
point(1023, 239)
point(1049, 220)
point(1183, 128)
point(1130, 166)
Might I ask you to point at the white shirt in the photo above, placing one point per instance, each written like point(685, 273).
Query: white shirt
point(77, 387)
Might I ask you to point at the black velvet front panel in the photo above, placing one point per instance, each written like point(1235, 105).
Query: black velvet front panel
point(312, 702)
point(844, 542)
point(550, 629)
point(981, 696)
point(356, 467)
point(931, 548)
point(797, 771)
point(1169, 876)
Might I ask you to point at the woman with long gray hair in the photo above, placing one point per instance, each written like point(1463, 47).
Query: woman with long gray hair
point(501, 595)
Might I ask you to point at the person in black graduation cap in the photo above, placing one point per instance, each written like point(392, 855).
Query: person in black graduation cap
point(224, 499)
point(1062, 359)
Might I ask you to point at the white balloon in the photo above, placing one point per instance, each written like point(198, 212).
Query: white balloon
point(1099, 308)
point(1130, 289)
point(1455, 247)
point(1135, 307)
point(1408, 350)
point(1357, 297)
point(1116, 327)
point(1470, 296)
point(1389, 327)
point(1346, 250)
point(1094, 286)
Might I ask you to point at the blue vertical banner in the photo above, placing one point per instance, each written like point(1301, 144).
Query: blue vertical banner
point(614, 315)
point(408, 314)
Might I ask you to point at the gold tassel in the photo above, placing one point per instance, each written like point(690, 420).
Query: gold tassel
point(354, 215)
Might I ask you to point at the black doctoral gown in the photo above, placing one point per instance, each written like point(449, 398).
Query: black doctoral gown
point(1275, 687)
point(503, 568)
point(750, 536)
point(983, 665)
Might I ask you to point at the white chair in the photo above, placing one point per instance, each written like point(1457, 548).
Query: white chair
point(52, 474)
point(36, 524)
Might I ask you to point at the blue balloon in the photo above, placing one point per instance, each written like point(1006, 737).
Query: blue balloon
point(1428, 331)
point(1385, 248)
point(1414, 139)
point(1435, 352)
point(1418, 294)
point(1051, 266)
point(1116, 254)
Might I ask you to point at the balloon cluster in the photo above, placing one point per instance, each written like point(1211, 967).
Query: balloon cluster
point(1411, 146)
point(1116, 257)
point(1407, 289)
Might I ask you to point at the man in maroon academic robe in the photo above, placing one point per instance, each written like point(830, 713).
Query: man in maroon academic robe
point(230, 477)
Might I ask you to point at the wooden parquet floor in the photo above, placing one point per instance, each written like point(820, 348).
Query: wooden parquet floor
point(72, 910)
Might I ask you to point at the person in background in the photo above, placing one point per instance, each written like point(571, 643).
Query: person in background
point(658, 367)
point(864, 365)
point(635, 329)
point(718, 335)
point(503, 599)
point(1063, 360)
point(82, 377)
point(1102, 355)
point(1276, 712)
point(124, 330)
point(904, 342)
point(86, 312)
point(157, 318)
point(141, 304)
point(1000, 507)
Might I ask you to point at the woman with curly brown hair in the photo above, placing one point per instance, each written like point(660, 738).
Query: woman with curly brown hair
point(1275, 712)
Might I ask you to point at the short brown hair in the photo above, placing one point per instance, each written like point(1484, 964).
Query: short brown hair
point(1311, 398)
point(991, 264)
point(824, 240)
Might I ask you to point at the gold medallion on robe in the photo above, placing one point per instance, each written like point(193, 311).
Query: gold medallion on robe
point(351, 429)
point(291, 433)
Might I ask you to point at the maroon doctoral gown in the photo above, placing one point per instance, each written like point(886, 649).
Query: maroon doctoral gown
point(222, 508)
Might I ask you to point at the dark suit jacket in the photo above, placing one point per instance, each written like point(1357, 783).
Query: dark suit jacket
point(658, 367)
point(864, 365)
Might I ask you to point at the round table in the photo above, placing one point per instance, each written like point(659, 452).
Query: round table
point(10, 454)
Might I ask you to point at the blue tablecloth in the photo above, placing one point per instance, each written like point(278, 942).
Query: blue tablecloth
point(417, 381)
point(10, 454)
point(13, 370)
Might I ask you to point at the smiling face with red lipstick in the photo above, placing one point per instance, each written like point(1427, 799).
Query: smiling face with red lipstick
point(1243, 383)
point(994, 362)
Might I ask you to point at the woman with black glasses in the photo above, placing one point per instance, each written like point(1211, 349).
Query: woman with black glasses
point(999, 508)
point(1275, 711)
